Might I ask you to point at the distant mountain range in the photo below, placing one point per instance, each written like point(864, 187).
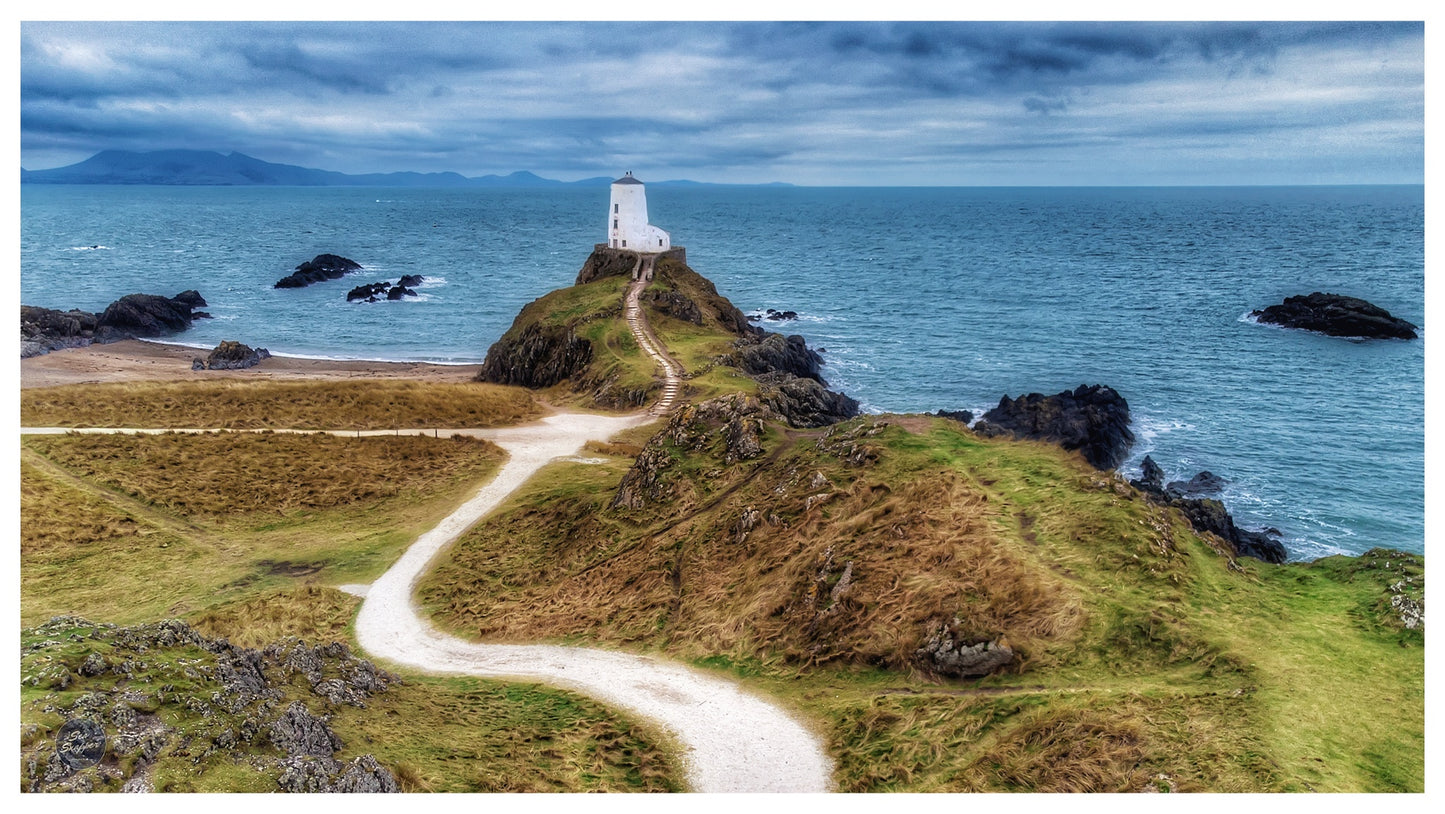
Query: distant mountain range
point(202, 168)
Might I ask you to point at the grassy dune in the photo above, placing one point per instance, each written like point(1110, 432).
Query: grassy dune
point(338, 405)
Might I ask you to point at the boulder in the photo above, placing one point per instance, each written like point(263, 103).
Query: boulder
point(410, 280)
point(780, 316)
point(1151, 480)
point(231, 355)
point(1092, 419)
point(1336, 315)
point(948, 653)
point(320, 268)
point(1204, 483)
point(298, 733)
point(804, 402)
point(146, 315)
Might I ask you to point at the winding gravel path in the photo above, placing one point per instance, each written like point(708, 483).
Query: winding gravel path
point(732, 741)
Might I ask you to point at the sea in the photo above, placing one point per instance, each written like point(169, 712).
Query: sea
point(919, 299)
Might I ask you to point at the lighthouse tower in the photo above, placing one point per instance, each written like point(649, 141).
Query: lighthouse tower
point(627, 226)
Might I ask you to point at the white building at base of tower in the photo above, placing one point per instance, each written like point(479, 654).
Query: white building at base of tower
point(627, 226)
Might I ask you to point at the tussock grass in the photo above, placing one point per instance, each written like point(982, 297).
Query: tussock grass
point(333, 405)
point(138, 528)
point(312, 613)
point(226, 477)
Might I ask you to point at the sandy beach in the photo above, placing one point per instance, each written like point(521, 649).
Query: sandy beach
point(135, 360)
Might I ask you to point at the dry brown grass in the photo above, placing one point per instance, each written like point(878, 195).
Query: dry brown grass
point(340, 405)
point(313, 613)
point(861, 577)
point(231, 476)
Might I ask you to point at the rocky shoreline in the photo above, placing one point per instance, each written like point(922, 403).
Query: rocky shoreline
point(134, 316)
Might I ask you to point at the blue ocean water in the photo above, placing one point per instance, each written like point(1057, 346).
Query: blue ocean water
point(921, 298)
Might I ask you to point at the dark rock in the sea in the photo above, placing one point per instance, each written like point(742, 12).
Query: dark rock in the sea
point(1336, 315)
point(1208, 515)
point(948, 653)
point(536, 356)
point(961, 416)
point(410, 280)
point(230, 355)
point(1151, 480)
point(1204, 483)
point(146, 315)
point(779, 316)
point(766, 352)
point(1092, 419)
point(396, 292)
point(367, 292)
point(320, 268)
point(192, 298)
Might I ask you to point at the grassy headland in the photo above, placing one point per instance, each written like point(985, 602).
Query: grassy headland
point(826, 567)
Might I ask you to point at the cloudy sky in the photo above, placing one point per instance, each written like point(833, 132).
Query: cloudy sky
point(986, 103)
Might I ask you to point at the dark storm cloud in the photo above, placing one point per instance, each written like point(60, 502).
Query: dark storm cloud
point(742, 101)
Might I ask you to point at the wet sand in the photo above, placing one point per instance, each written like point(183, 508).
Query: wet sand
point(135, 361)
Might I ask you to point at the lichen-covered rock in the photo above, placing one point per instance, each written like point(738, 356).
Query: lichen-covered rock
point(298, 733)
point(365, 776)
point(536, 356)
point(948, 653)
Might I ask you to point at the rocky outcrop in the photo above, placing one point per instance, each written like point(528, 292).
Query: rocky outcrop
point(231, 355)
point(763, 352)
point(1092, 419)
point(789, 379)
point(134, 316)
point(605, 262)
point(1336, 315)
point(947, 652)
point(672, 304)
point(167, 692)
point(730, 428)
point(804, 402)
point(1207, 514)
point(318, 269)
point(536, 355)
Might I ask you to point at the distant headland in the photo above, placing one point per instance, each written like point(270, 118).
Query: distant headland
point(205, 168)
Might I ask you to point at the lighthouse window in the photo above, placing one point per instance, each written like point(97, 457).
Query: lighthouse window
point(614, 223)
point(624, 244)
point(659, 241)
point(614, 208)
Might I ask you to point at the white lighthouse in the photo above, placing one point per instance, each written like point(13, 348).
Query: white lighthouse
point(627, 226)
